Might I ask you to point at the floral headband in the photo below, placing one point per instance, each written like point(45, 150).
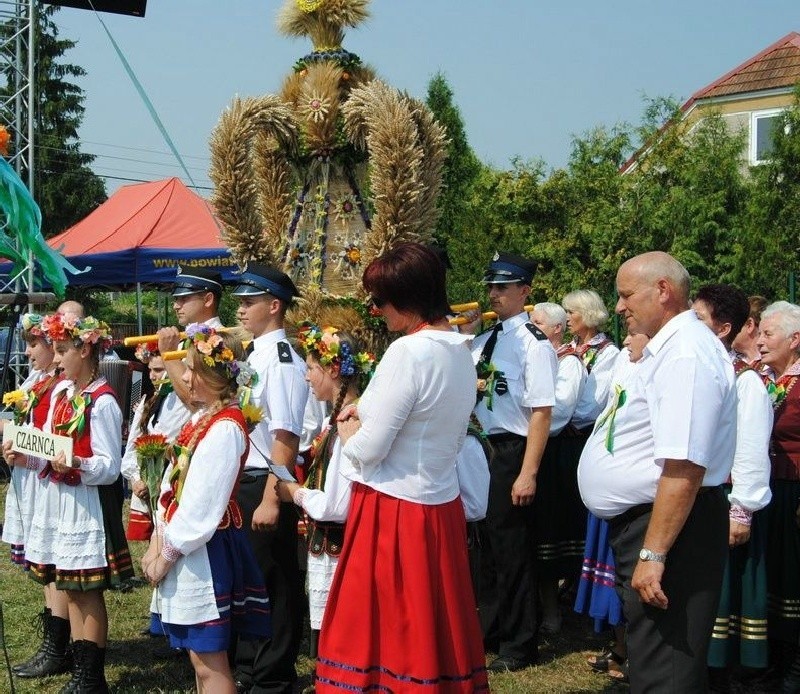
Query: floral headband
point(325, 345)
point(146, 351)
point(67, 326)
point(32, 324)
point(211, 347)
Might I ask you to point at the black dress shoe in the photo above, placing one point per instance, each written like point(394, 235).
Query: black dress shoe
point(509, 664)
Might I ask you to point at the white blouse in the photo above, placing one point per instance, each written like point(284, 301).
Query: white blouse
point(414, 416)
point(751, 465)
point(213, 471)
point(105, 425)
point(598, 385)
point(174, 414)
point(570, 382)
point(332, 503)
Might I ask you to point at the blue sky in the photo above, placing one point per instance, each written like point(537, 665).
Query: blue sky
point(528, 75)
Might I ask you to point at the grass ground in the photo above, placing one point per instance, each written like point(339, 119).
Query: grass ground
point(133, 666)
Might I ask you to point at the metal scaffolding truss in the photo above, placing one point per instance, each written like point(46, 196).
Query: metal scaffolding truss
point(17, 70)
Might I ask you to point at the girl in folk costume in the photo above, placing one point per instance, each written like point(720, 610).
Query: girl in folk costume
point(77, 538)
point(31, 404)
point(337, 372)
point(161, 413)
point(200, 557)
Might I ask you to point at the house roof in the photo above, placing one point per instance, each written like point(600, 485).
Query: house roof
point(775, 67)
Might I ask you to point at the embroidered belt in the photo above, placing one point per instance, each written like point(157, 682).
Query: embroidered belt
point(324, 538)
point(71, 478)
point(232, 515)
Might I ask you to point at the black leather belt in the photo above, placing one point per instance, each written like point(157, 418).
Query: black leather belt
point(640, 509)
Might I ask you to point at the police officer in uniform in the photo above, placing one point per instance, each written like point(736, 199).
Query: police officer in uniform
point(517, 369)
point(195, 299)
point(281, 392)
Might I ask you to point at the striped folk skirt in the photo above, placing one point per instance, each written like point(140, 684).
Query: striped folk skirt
point(740, 630)
point(783, 562)
point(597, 597)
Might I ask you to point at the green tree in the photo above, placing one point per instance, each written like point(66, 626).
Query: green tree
point(64, 186)
point(461, 172)
point(689, 193)
point(767, 244)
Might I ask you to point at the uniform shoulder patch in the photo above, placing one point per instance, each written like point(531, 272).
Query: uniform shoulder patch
point(538, 334)
point(284, 352)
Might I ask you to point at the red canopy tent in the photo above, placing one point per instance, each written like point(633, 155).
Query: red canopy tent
point(141, 234)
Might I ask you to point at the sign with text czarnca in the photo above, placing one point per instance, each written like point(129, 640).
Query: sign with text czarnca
point(37, 443)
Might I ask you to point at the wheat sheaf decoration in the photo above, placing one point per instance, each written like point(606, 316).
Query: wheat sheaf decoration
point(334, 169)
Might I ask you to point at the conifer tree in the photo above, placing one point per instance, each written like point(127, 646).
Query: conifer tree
point(64, 185)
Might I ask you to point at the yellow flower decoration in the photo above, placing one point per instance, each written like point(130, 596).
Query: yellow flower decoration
point(309, 5)
point(14, 398)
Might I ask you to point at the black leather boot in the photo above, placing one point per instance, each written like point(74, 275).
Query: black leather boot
point(94, 673)
point(55, 658)
point(78, 667)
point(43, 619)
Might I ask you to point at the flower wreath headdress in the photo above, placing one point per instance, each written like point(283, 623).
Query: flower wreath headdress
point(146, 351)
point(325, 345)
point(89, 330)
point(32, 324)
point(211, 347)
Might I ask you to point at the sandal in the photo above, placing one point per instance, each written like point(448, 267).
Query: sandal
point(609, 662)
point(621, 674)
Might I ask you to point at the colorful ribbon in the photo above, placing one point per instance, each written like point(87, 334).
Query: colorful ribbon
point(619, 400)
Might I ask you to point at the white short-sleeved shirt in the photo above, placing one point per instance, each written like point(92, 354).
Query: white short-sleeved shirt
point(682, 397)
point(414, 416)
point(281, 392)
point(530, 368)
point(570, 382)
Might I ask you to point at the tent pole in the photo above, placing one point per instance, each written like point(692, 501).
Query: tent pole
point(139, 306)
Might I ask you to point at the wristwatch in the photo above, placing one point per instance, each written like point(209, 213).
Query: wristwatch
point(649, 555)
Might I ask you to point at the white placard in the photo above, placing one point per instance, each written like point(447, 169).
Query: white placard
point(36, 442)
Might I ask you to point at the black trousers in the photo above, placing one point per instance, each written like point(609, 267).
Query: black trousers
point(508, 589)
point(667, 649)
point(269, 666)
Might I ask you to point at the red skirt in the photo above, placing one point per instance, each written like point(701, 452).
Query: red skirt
point(401, 614)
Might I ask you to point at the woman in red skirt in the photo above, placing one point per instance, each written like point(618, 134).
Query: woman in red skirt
point(401, 615)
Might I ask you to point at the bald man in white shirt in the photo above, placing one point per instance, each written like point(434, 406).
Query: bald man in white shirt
point(654, 469)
